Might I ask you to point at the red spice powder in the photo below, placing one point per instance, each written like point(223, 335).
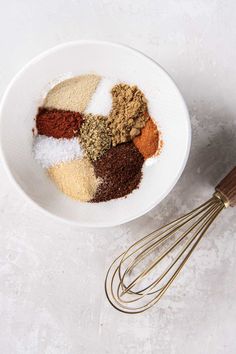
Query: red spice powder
point(58, 123)
point(148, 141)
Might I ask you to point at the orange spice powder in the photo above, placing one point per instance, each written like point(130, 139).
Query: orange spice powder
point(148, 141)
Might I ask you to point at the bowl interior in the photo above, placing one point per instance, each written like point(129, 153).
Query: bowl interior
point(166, 107)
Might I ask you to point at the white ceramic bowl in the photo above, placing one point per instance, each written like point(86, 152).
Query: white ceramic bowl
point(166, 105)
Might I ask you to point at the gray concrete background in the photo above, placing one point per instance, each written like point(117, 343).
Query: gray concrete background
point(51, 275)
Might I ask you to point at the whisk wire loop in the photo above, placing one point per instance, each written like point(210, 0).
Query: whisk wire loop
point(169, 227)
point(139, 293)
point(158, 259)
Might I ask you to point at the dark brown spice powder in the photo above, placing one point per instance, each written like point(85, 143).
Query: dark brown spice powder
point(121, 171)
point(58, 123)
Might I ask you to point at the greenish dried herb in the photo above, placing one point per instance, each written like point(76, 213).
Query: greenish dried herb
point(95, 136)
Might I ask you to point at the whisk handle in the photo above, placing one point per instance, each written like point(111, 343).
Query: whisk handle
point(227, 187)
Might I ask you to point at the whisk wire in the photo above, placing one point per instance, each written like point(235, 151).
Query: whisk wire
point(127, 294)
point(146, 290)
point(170, 227)
point(152, 285)
point(158, 259)
point(164, 289)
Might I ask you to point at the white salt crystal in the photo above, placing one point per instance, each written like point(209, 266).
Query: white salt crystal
point(101, 101)
point(49, 151)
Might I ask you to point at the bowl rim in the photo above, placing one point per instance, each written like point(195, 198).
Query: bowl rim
point(114, 44)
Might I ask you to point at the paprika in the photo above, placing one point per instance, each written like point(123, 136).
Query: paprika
point(58, 123)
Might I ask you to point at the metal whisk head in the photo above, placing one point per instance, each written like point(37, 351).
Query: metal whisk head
point(140, 276)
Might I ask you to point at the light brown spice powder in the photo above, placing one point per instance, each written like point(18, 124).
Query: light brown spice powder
point(76, 179)
point(127, 116)
point(73, 94)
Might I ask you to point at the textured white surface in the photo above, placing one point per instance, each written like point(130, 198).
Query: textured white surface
point(51, 275)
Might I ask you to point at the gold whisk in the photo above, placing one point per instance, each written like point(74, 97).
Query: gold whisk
point(140, 276)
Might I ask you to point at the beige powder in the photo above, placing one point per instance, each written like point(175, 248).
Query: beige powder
point(128, 115)
point(76, 179)
point(73, 94)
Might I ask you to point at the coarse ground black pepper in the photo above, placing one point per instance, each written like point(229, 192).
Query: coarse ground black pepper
point(120, 168)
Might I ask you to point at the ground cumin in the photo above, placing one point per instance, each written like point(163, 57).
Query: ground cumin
point(148, 141)
point(127, 116)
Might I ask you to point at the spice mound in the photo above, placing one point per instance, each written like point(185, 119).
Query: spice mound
point(148, 141)
point(93, 136)
point(49, 151)
point(120, 170)
point(76, 179)
point(127, 116)
point(73, 94)
point(58, 123)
